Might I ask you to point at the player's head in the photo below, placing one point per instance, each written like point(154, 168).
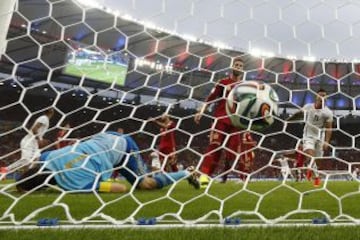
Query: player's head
point(320, 95)
point(154, 155)
point(237, 67)
point(165, 117)
point(66, 125)
point(50, 112)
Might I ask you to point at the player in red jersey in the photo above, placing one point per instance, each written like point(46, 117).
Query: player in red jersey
point(247, 159)
point(299, 163)
point(167, 145)
point(245, 144)
point(61, 135)
point(222, 125)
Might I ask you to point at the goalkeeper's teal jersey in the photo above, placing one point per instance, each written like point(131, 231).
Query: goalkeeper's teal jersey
point(84, 165)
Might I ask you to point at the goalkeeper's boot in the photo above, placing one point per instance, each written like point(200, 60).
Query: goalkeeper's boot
point(204, 180)
point(193, 179)
point(317, 182)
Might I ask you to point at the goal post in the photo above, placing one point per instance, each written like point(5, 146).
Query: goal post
point(101, 71)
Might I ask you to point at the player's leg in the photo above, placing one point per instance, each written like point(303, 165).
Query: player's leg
point(318, 153)
point(163, 156)
point(29, 152)
point(213, 153)
point(233, 147)
point(309, 150)
point(160, 180)
point(299, 165)
point(173, 162)
point(241, 167)
point(136, 171)
point(169, 159)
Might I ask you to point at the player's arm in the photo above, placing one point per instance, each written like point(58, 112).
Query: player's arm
point(35, 128)
point(249, 143)
point(215, 93)
point(112, 187)
point(296, 116)
point(58, 140)
point(159, 123)
point(200, 112)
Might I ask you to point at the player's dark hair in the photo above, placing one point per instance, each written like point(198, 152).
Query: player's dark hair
point(321, 90)
point(238, 59)
point(64, 123)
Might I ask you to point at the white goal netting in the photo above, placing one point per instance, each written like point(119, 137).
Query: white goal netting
point(100, 71)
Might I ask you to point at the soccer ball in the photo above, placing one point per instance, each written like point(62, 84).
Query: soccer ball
point(252, 103)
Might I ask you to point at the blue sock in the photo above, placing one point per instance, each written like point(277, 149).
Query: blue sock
point(162, 180)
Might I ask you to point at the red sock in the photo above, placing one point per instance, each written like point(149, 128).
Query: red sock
point(211, 159)
point(174, 167)
point(308, 174)
point(317, 181)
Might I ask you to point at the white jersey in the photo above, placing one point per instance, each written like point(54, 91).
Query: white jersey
point(44, 120)
point(315, 120)
point(283, 163)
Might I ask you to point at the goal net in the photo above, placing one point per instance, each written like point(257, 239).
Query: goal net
point(100, 71)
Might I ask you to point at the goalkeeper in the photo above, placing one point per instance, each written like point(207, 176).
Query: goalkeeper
point(88, 165)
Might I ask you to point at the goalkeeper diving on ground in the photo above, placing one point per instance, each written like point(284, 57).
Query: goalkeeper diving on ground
point(88, 165)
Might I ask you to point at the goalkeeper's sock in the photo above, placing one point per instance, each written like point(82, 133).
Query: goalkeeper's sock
point(163, 180)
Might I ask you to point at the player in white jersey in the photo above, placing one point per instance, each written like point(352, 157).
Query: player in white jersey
point(32, 142)
point(317, 131)
point(285, 168)
point(355, 174)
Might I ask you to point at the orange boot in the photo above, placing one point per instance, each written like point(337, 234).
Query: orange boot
point(317, 182)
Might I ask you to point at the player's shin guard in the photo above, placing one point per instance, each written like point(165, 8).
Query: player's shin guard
point(163, 180)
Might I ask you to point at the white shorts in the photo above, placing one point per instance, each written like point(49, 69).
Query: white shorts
point(313, 144)
point(29, 148)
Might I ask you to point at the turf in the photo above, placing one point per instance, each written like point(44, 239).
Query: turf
point(261, 201)
point(99, 71)
point(269, 199)
point(318, 233)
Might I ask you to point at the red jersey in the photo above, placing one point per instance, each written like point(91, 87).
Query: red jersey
point(167, 137)
point(60, 137)
point(220, 92)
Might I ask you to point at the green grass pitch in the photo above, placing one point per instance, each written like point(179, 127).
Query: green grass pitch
point(99, 71)
point(270, 199)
